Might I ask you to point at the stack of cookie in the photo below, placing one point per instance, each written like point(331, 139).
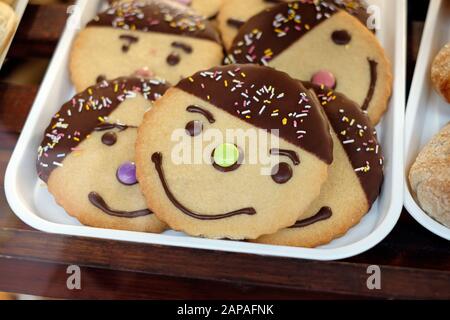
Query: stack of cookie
point(272, 142)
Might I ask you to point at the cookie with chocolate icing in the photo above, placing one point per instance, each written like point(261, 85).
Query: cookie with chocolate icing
point(354, 180)
point(209, 169)
point(206, 8)
point(322, 43)
point(87, 155)
point(155, 38)
point(234, 13)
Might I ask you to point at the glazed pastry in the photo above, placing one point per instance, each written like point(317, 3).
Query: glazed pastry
point(234, 13)
point(429, 177)
point(440, 72)
point(354, 179)
point(156, 38)
point(321, 44)
point(233, 192)
point(8, 21)
point(87, 155)
point(207, 8)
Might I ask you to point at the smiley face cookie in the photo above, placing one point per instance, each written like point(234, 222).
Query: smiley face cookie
point(156, 37)
point(354, 179)
point(234, 13)
point(87, 155)
point(322, 44)
point(233, 192)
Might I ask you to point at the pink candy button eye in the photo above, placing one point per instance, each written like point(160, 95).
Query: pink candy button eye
point(325, 78)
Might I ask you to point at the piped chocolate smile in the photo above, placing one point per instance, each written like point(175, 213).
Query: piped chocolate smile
point(101, 204)
point(157, 160)
point(373, 82)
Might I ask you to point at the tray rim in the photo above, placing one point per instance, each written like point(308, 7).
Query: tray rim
point(413, 106)
point(377, 235)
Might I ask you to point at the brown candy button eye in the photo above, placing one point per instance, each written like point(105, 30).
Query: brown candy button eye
point(341, 37)
point(281, 173)
point(194, 128)
point(109, 138)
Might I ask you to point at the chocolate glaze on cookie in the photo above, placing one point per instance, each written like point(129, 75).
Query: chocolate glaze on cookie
point(272, 31)
point(83, 114)
point(267, 99)
point(357, 8)
point(157, 16)
point(357, 136)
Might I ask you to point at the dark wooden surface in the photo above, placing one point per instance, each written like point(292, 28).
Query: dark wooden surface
point(414, 263)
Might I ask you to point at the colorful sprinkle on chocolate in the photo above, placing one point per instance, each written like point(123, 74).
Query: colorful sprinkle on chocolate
point(84, 113)
point(156, 16)
point(356, 135)
point(266, 98)
point(270, 32)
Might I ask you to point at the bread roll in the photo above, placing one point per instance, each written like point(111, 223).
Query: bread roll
point(440, 72)
point(429, 177)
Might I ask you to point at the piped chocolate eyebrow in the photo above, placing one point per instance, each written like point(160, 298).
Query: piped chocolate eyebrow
point(182, 45)
point(287, 153)
point(129, 40)
point(196, 109)
point(104, 126)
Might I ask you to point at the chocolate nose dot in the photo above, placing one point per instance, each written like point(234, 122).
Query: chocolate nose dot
point(324, 77)
point(126, 173)
point(226, 157)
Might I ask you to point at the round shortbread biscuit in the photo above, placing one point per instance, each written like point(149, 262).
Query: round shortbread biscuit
point(234, 13)
point(241, 186)
point(354, 178)
point(87, 155)
point(322, 44)
point(154, 38)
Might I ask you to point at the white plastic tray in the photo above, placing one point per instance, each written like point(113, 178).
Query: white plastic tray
point(33, 204)
point(427, 112)
point(19, 7)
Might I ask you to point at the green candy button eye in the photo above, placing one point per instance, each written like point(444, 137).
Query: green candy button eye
point(226, 155)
